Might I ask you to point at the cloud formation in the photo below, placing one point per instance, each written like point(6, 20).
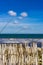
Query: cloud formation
point(20, 17)
point(25, 27)
point(12, 13)
point(24, 14)
point(16, 22)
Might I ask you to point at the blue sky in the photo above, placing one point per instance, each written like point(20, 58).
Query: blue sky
point(21, 16)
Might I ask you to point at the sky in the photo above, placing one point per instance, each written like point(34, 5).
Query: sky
point(21, 16)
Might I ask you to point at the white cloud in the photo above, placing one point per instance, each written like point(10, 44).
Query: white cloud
point(16, 22)
point(24, 14)
point(25, 26)
point(20, 17)
point(12, 13)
